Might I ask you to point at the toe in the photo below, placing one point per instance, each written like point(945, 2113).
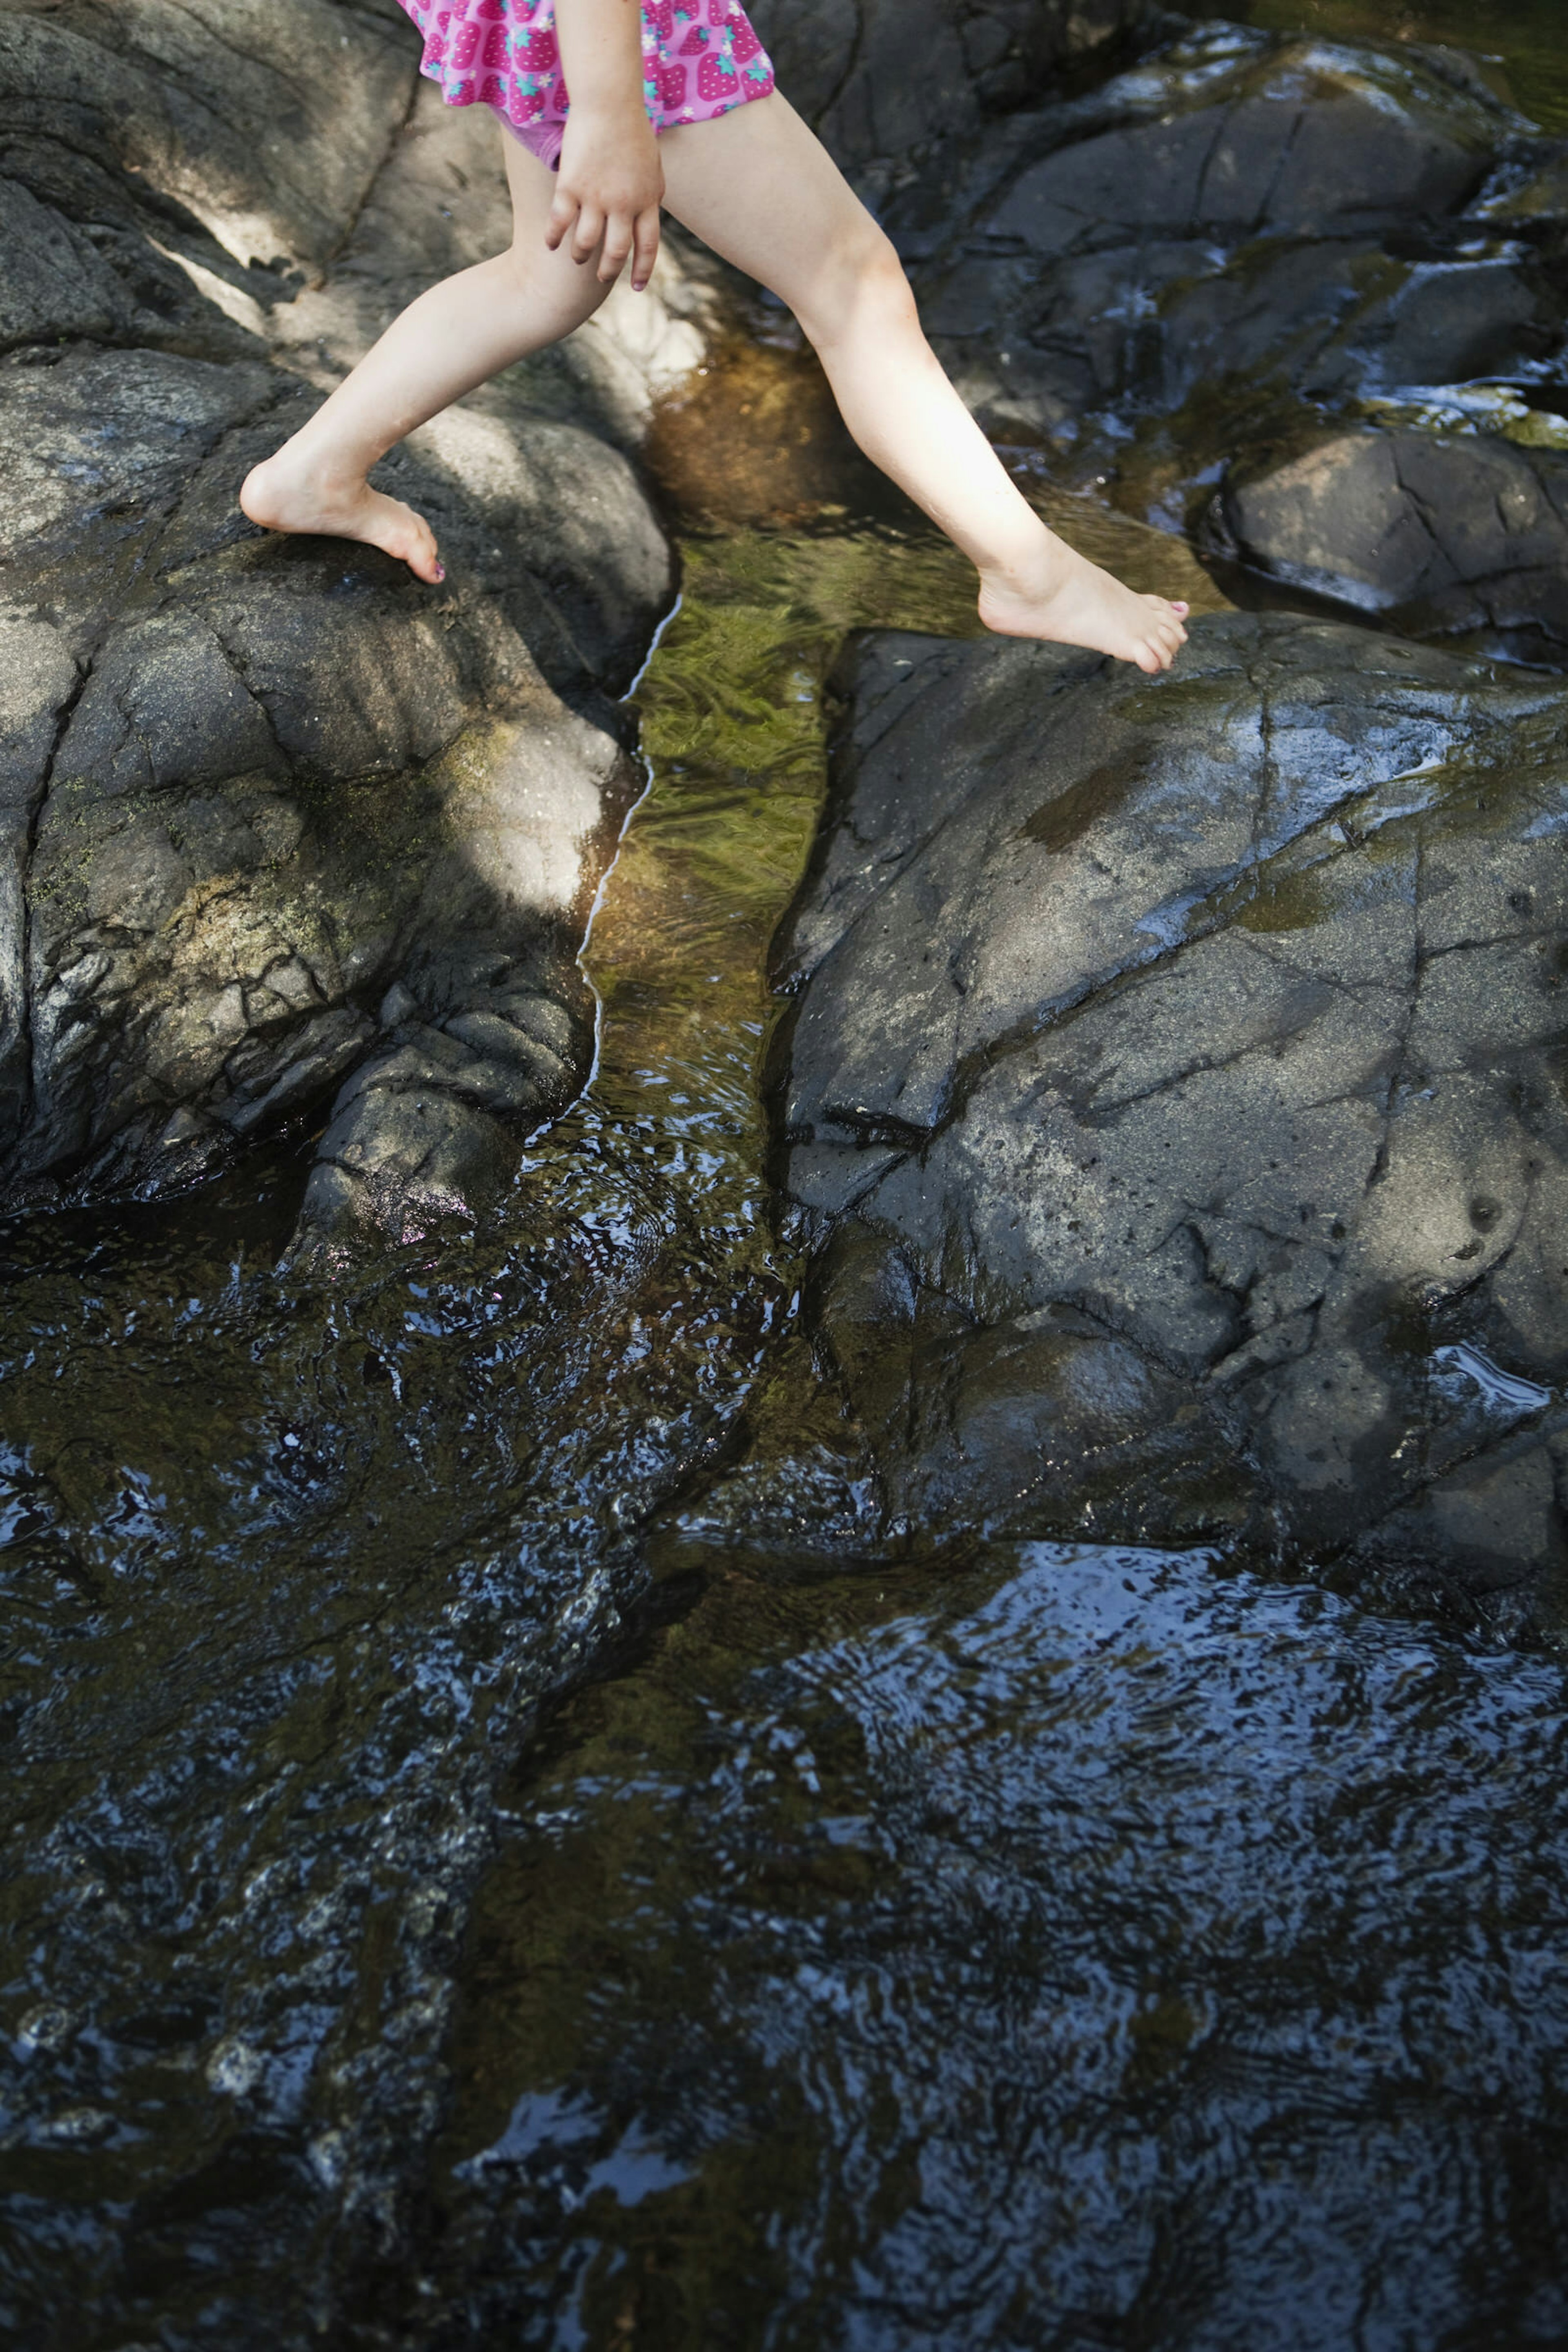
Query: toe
point(416, 546)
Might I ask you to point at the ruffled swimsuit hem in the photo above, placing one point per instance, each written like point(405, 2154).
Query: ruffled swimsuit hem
point(701, 59)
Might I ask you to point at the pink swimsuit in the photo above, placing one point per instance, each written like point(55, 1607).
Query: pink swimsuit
point(701, 58)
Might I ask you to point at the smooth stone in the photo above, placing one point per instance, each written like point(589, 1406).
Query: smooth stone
point(1173, 1099)
point(1441, 535)
point(881, 80)
point(254, 791)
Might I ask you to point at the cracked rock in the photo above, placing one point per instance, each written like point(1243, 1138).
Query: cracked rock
point(881, 80)
point(1175, 1096)
point(276, 820)
point(1443, 535)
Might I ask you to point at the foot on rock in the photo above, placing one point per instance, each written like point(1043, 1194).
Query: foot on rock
point(287, 494)
point(1074, 602)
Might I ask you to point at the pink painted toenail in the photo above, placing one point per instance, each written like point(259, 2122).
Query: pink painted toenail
point(440, 572)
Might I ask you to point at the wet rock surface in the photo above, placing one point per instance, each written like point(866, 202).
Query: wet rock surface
point(205, 730)
point(882, 81)
point(1175, 1095)
point(294, 1547)
point(464, 1882)
point(1252, 264)
point(1453, 538)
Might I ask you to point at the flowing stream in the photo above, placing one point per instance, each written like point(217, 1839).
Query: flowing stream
point(500, 1854)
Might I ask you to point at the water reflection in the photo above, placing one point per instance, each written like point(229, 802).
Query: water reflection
point(1102, 1950)
point(290, 1554)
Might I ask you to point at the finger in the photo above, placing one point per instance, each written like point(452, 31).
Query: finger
point(562, 213)
point(644, 247)
point(617, 245)
point(588, 234)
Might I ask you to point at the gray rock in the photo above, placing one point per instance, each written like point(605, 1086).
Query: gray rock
point(275, 819)
point(266, 127)
point(1242, 247)
point(1442, 535)
point(1173, 1096)
point(880, 79)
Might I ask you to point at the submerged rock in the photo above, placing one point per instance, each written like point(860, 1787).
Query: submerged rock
point(1248, 246)
point(275, 816)
point(1175, 1096)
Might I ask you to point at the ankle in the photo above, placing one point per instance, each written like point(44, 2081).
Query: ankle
point(322, 470)
point(1035, 568)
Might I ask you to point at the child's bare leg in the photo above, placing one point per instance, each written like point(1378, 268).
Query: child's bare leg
point(460, 334)
point(758, 187)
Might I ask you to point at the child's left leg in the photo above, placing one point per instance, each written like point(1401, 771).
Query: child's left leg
point(459, 335)
point(757, 186)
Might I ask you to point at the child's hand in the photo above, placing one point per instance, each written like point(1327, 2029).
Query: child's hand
point(608, 193)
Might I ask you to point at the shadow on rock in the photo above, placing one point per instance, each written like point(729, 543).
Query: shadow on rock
point(274, 816)
point(1174, 1098)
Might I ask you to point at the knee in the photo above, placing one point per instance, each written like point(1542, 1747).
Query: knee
point(861, 283)
point(529, 277)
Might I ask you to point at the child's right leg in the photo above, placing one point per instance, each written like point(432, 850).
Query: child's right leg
point(757, 186)
point(459, 335)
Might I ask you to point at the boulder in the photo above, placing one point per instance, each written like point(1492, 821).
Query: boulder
point(884, 80)
point(266, 131)
point(276, 820)
point(1247, 245)
point(1174, 1097)
point(1443, 535)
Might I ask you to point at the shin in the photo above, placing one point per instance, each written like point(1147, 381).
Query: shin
point(758, 187)
point(783, 212)
point(459, 334)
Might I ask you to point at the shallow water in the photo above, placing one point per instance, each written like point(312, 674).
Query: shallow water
point(501, 1857)
point(1090, 1948)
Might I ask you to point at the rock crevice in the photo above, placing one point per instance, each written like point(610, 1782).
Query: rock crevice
point(1249, 1112)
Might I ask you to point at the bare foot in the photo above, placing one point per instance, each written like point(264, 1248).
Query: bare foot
point(288, 493)
point(1074, 602)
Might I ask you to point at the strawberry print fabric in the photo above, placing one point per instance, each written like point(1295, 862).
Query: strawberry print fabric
point(700, 59)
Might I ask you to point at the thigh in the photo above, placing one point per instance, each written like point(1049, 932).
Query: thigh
point(759, 187)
